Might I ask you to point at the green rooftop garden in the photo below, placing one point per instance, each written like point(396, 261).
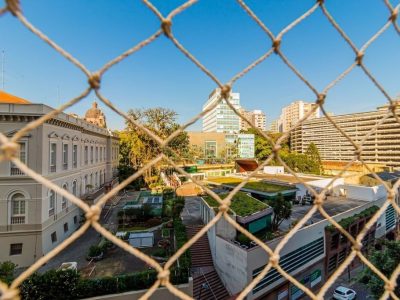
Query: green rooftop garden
point(346, 222)
point(242, 204)
point(261, 186)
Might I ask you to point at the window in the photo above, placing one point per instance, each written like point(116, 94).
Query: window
point(22, 157)
point(74, 188)
point(65, 227)
point(75, 219)
point(16, 249)
point(86, 155)
point(97, 154)
point(53, 157)
point(91, 154)
point(64, 200)
point(65, 156)
point(52, 202)
point(18, 209)
point(54, 237)
point(74, 156)
point(101, 153)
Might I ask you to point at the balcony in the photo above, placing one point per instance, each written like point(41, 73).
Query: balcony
point(65, 166)
point(18, 220)
point(16, 171)
point(53, 169)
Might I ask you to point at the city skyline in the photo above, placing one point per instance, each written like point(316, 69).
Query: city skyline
point(320, 63)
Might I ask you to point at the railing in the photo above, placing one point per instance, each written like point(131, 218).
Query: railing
point(51, 212)
point(53, 169)
point(18, 220)
point(65, 166)
point(16, 171)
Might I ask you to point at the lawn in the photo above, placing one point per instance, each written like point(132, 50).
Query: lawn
point(261, 186)
point(242, 204)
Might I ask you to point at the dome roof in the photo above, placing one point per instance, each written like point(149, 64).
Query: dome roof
point(93, 112)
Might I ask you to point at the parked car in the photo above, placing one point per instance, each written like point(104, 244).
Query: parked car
point(344, 293)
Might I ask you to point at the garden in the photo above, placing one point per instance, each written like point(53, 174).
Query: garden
point(261, 186)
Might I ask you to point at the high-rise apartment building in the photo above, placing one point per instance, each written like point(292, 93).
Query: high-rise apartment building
point(221, 118)
point(274, 126)
point(382, 145)
point(257, 118)
point(292, 113)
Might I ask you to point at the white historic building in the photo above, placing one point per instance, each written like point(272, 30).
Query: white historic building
point(74, 154)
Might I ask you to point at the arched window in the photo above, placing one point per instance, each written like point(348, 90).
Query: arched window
point(18, 208)
point(64, 200)
point(74, 188)
point(52, 202)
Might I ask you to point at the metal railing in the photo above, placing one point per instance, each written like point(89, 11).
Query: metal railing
point(9, 147)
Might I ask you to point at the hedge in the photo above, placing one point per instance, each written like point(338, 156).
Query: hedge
point(346, 222)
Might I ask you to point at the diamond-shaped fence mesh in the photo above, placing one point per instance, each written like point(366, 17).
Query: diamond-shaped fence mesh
point(9, 149)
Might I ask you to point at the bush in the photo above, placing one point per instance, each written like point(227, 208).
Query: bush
point(242, 239)
point(94, 251)
point(160, 253)
point(7, 269)
point(51, 285)
point(181, 239)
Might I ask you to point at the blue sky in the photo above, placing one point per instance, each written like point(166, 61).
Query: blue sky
point(219, 33)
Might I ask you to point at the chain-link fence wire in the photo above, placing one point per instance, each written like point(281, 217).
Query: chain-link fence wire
point(9, 148)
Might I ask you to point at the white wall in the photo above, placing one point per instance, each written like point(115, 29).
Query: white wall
point(358, 192)
point(274, 170)
point(318, 185)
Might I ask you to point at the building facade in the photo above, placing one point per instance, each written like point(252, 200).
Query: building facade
point(292, 113)
point(75, 155)
point(221, 118)
point(382, 146)
point(257, 118)
point(219, 145)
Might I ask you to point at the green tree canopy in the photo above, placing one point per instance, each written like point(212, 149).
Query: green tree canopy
point(137, 148)
point(282, 210)
point(386, 260)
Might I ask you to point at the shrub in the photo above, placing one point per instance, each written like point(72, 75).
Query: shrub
point(241, 238)
point(51, 285)
point(94, 251)
point(160, 253)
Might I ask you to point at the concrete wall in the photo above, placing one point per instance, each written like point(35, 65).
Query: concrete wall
point(360, 192)
point(274, 170)
point(318, 185)
point(159, 294)
point(231, 264)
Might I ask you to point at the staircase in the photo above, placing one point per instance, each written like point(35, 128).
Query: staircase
point(206, 282)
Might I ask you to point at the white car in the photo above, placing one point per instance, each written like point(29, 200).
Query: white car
point(344, 293)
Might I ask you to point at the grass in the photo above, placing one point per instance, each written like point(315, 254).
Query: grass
point(261, 186)
point(242, 204)
point(132, 228)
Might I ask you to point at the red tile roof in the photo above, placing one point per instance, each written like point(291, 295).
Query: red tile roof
point(8, 98)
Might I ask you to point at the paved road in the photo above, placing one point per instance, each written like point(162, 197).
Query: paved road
point(361, 289)
point(77, 250)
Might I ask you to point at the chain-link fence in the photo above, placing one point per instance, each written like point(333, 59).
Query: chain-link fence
point(9, 150)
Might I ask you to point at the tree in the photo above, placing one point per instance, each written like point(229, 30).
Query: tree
point(138, 148)
point(312, 154)
point(386, 260)
point(282, 210)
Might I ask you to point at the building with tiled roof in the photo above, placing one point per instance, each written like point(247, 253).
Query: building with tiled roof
point(8, 98)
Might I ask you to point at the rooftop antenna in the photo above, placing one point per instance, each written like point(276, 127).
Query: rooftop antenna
point(3, 57)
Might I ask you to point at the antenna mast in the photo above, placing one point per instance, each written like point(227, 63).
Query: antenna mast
point(3, 57)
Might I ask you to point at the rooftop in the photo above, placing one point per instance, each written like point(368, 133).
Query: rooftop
point(286, 178)
point(332, 205)
point(242, 204)
point(261, 186)
point(8, 98)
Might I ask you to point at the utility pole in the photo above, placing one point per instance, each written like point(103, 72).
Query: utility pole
point(3, 58)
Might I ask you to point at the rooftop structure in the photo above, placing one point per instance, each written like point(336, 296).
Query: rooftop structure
point(96, 116)
point(8, 98)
